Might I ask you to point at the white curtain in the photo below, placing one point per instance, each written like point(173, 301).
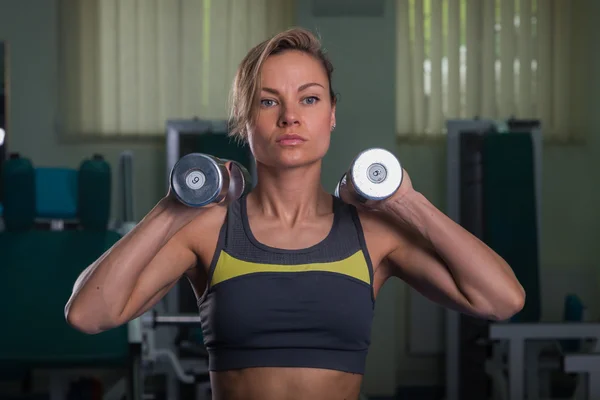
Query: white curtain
point(483, 58)
point(126, 66)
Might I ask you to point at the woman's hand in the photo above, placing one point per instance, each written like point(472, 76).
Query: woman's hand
point(405, 189)
point(171, 203)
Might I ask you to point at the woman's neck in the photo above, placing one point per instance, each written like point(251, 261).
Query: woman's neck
point(290, 194)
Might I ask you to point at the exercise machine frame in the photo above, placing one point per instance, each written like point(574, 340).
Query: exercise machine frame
point(454, 129)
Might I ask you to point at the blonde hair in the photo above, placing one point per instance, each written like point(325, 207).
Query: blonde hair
point(245, 88)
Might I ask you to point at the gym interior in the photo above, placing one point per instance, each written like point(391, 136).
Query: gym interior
point(90, 130)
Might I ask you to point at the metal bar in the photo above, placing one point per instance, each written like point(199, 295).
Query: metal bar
point(182, 319)
point(539, 331)
point(582, 363)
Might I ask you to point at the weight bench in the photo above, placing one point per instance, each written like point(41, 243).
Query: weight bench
point(586, 364)
point(38, 270)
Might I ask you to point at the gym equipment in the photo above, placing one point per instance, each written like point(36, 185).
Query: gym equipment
point(573, 311)
point(94, 190)
point(47, 260)
point(125, 187)
point(47, 263)
point(199, 179)
point(478, 173)
point(125, 220)
point(509, 210)
point(18, 180)
point(240, 182)
point(190, 371)
point(474, 380)
point(56, 193)
point(152, 319)
point(375, 174)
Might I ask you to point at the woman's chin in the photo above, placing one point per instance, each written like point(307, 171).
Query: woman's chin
point(291, 157)
point(287, 162)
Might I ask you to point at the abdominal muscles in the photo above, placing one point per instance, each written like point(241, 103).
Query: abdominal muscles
point(285, 384)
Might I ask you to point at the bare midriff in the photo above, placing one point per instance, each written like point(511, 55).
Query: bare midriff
point(285, 384)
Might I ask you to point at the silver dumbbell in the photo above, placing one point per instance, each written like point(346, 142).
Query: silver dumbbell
point(374, 175)
point(240, 181)
point(199, 179)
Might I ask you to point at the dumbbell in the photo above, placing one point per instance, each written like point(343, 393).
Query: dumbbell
point(240, 181)
point(374, 174)
point(199, 179)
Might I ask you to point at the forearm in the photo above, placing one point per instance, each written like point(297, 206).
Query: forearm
point(482, 276)
point(104, 288)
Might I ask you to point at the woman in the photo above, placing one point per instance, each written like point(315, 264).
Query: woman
point(286, 277)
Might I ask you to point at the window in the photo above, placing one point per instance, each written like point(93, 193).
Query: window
point(126, 66)
point(483, 58)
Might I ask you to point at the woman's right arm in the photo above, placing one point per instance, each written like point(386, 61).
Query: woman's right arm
point(137, 271)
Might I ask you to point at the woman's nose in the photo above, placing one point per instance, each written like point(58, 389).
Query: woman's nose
point(289, 117)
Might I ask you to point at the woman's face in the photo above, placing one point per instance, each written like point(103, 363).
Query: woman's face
point(295, 115)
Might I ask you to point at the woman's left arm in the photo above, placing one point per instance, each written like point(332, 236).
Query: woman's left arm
point(486, 285)
point(441, 259)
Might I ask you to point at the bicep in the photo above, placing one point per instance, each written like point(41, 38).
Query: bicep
point(415, 261)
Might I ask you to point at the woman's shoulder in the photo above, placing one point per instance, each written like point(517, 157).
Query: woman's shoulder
point(210, 217)
point(202, 233)
point(381, 234)
point(373, 223)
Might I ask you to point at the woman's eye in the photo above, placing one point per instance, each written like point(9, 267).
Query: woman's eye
point(267, 103)
point(311, 100)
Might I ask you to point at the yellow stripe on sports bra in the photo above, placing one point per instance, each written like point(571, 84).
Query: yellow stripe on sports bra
point(229, 267)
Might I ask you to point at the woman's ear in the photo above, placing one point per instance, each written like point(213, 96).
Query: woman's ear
point(332, 117)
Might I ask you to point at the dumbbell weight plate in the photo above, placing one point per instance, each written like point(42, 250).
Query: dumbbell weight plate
point(240, 181)
point(340, 183)
point(376, 174)
point(199, 179)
